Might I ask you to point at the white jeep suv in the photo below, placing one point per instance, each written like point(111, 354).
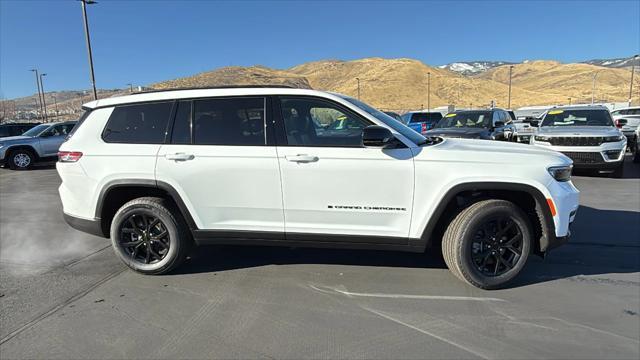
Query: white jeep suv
point(161, 171)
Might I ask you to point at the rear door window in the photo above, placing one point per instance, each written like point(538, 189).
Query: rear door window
point(229, 121)
point(138, 124)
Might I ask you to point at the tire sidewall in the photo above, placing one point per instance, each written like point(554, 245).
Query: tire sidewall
point(169, 222)
point(485, 214)
point(12, 159)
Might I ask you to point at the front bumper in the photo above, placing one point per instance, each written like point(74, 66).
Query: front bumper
point(607, 156)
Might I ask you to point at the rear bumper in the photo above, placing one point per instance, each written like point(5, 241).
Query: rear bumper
point(90, 226)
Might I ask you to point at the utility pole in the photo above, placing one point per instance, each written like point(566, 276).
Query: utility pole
point(44, 102)
point(130, 88)
point(56, 104)
point(593, 88)
point(633, 66)
point(358, 80)
point(510, 71)
point(35, 71)
point(88, 38)
point(429, 91)
point(569, 100)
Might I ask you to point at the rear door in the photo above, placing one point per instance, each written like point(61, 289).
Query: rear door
point(223, 166)
point(335, 190)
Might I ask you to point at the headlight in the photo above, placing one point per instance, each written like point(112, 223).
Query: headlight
point(561, 173)
point(614, 138)
point(541, 138)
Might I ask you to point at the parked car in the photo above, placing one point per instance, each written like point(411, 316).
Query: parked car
point(223, 174)
point(395, 116)
point(15, 129)
point(421, 121)
point(636, 154)
point(475, 124)
point(524, 130)
point(628, 120)
point(586, 134)
point(39, 143)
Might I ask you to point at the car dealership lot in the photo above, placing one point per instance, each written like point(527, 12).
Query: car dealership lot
point(64, 294)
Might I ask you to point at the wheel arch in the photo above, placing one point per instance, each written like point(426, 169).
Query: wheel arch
point(530, 199)
point(32, 149)
point(118, 192)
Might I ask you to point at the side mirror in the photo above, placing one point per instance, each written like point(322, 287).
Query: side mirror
point(620, 123)
point(498, 124)
point(377, 136)
point(534, 123)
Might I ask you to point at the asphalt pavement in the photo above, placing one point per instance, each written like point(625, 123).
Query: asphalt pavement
point(63, 294)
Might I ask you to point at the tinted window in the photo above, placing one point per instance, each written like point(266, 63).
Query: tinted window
point(138, 124)
point(426, 117)
point(577, 118)
point(237, 121)
point(315, 122)
point(5, 131)
point(182, 126)
point(466, 119)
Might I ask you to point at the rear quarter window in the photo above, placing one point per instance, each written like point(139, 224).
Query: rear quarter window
point(138, 124)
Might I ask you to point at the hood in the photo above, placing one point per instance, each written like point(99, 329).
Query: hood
point(9, 139)
point(578, 131)
point(465, 133)
point(500, 152)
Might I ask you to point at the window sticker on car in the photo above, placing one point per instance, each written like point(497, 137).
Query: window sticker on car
point(450, 115)
point(553, 112)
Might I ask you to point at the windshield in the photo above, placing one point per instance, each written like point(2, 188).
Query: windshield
point(577, 118)
point(36, 130)
point(388, 120)
point(466, 119)
point(425, 117)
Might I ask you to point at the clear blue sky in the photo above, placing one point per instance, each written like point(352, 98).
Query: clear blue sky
point(147, 41)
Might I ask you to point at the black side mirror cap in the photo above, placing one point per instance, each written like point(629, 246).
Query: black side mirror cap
point(534, 123)
point(498, 124)
point(378, 136)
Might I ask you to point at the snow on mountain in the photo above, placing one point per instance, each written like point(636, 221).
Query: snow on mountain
point(473, 67)
point(612, 63)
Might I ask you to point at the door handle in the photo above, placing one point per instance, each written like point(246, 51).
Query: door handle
point(179, 157)
point(302, 158)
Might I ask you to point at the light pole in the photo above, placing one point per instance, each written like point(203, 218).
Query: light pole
point(358, 80)
point(55, 101)
point(510, 71)
point(86, 34)
point(35, 71)
point(130, 88)
point(429, 91)
point(633, 66)
point(593, 87)
point(44, 102)
point(569, 100)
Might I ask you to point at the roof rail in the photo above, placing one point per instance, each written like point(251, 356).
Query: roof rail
point(215, 87)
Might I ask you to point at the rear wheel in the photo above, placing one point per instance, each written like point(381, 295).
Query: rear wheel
point(488, 243)
point(150, 236)
point(21, 159)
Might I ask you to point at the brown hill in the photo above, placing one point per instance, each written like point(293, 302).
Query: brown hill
point(401, 84)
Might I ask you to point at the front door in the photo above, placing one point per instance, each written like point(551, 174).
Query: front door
point(220, 164)
point(333, 188)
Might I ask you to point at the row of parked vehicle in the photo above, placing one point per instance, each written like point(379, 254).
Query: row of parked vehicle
point(590, 135)
point(24, 144)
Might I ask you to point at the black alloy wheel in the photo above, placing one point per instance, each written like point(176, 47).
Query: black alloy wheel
point(496, 246)
point(144, 238)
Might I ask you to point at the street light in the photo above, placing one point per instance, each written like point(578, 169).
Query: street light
point(35, 71)
point(510, 71)
point(633, 66)
point(428, 91)
point(44, 102)
point(593, 87)
point(86, 34)
point(130, 88)
point(358, 80)
point(56, 104)
point(569, 100)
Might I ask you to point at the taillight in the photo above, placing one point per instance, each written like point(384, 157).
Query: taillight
point(423, 128)
point(620, 123)
point(69, 156)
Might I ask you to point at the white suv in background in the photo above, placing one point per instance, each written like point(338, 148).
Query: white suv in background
point(628, 120)
point(586, 134)
point(159, 171)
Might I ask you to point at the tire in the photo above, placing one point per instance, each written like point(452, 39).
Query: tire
point(460, 243)
point(150, 252)
point(21, 159)
point(636, 154)
point(618, 173)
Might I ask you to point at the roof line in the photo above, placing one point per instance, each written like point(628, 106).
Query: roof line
point(218, 87)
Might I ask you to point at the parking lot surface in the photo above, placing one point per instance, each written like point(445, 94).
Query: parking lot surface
point(63, 294)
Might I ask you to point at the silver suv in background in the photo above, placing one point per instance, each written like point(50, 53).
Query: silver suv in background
point(39, 143)
point(586, 134)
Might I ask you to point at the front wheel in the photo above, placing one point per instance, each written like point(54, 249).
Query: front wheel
point(149, 235)
point(488, 243)
point(21, 159)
